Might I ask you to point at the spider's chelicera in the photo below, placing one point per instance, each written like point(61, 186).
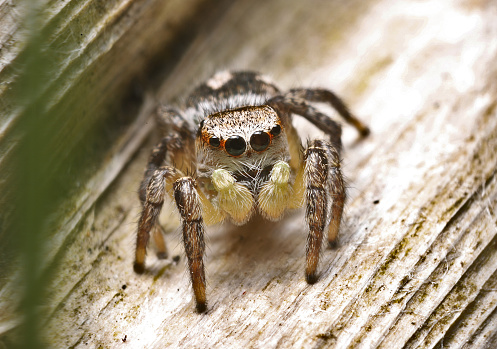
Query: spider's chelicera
point(235, 152)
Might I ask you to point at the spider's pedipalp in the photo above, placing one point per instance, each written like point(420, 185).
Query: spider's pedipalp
point(274, 196)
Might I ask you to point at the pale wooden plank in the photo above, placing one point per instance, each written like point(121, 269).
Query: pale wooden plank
point(416, 261)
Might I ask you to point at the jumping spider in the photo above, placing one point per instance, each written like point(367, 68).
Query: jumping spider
point(236, 152)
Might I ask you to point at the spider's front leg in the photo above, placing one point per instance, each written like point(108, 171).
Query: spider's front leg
point(152, 187)
point(153, 199)
point(189, 206)
point(156, 158)
point(187, 200)
point(324, 200)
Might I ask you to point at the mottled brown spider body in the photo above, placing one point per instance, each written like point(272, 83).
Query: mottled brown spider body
point(235, 152)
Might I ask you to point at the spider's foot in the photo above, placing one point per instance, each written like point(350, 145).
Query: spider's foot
point(139, 268)
point(162, 255)
point(364, 131)
point(311, 278)
point(333, 244)
point(201, 307)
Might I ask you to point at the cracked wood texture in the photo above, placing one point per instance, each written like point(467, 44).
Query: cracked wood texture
point(416, 265)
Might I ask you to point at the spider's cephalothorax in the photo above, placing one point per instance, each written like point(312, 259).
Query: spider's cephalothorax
point(236, 152)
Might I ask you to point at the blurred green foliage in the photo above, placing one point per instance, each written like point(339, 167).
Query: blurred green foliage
point(40, 182)
point(32, 194)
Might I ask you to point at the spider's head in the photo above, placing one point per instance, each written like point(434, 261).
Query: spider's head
point(244, 140)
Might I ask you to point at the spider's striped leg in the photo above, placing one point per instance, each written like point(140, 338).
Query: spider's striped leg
point(172, 120)
point(155, 192)
point(324, 199)
point(189, 207)
point(337, 193)
point(295, 103)
point(170, 149)
point(156, 159)
point(327, 96)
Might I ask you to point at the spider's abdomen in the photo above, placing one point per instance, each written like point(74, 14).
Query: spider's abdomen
point(230, 90)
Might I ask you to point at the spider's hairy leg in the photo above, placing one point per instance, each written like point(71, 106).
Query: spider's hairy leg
point(327, 96)
point(189, 207)
point(158, 236)
point(337, 193)
point(234, 198)
point(176, 144)
point(170, 119)
point(180, 140)
point(323, 183)
point(275, 193)
point(159, 184)
point(155, 160)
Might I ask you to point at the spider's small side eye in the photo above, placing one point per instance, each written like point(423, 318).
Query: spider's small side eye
point(276, 130)
point(215, 142)
point(235, 145)
point(259, 140)
point(201, 124)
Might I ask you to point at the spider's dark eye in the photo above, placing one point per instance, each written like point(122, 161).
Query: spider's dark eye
point(214, 141)
point(259, 141)
point(276, 130)
point(201, 124)
point(235, 145)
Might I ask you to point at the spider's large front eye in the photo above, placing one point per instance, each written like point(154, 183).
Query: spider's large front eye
point(259, 141)
point(235, 145)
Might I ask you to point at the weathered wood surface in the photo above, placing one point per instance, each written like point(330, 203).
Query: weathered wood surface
point(417, 261)
point(90, 53)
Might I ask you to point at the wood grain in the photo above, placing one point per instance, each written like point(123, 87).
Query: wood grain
point(416, 264)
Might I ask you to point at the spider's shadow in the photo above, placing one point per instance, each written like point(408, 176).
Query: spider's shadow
point(255, 252)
